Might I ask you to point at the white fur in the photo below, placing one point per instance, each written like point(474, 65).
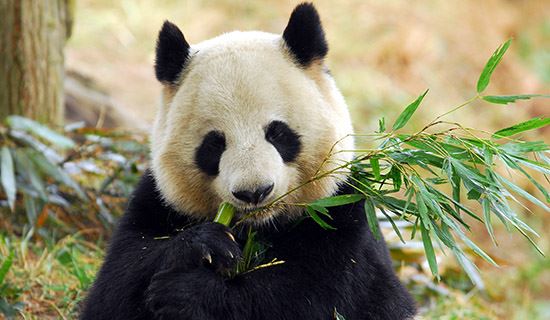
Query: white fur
point(238, 83)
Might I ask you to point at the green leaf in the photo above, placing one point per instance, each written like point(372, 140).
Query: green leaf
point(31, 207)
point(535, 165)
point(524, 193)
point(396, 177)
point(79, 272)
point(521, 127)
point(512, 164)
point(381, 125)
point(313, 214)
point(524, 147)
point(408, 112)
point(371, 218)
point(458, 204)
point(394, 226)
point(336, 201)
point(486, 205)
point(28, 169)
point(322, 210)
point(55, 171)
point(25, 124)
point(491, 65)
point(510, 99)
point(467, 240)
point(375, 165)
point(8, 177)
point(5, 267)
point(409, 200)
point(416, 157)
point(470, 269)
point(422, 210)
point(429, 249)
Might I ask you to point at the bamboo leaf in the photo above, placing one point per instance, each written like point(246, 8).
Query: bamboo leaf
point(336, 201)
point(322, 210)
point(486, 205)
point(467, 240)
point(408, 112)
point(524, 193)
point(396, 177)
point(8, 177)
point(510, 99)
point(371, 218)
point(5, 267)
point(512, 164)
point(429, 249)
point(538, 166)
point(25, 124)
point(381, 125)
point(525, 147)
point(52, 170)
point(470, 269)
point(31, 208)
point(313, 214)
point(491, 65)
point(422, 210)
point(29, 170)
point(375, 165)
point(461, 206)
point(531, 124)
point(394, 226)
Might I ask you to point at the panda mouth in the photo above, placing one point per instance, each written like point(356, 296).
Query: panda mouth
point(253, 212)
point(249, 209)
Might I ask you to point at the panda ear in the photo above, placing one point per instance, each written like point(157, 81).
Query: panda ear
point(304, 35)
point(171, 54)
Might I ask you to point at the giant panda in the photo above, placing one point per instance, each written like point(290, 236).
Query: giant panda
point(245, 117)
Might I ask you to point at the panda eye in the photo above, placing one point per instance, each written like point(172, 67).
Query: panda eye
point(208, 154)
point(215, 140)
point(276, 133)
point(284, 139)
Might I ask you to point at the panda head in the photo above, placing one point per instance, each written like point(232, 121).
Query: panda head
point(247, 116)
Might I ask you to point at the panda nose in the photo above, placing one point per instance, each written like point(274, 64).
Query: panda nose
point(254, 196)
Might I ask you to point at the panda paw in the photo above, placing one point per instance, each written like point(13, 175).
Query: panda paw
point(172, 295)
point(208, 245)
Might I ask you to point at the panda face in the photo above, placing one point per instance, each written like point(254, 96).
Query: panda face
point(245, 121)
point(247, 187)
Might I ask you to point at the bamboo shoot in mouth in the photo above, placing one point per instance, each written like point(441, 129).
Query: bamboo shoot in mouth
point(225, 214)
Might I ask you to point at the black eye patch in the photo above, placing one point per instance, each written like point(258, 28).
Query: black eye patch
point(208, 154)
point(284, 139)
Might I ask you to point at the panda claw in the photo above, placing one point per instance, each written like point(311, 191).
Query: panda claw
point(208, 258)
point(230, 236)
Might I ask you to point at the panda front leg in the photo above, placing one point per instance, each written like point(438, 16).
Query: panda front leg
point(136, 259)
point(201, 289)
point(187, 285)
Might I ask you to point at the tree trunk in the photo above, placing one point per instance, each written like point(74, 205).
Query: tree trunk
point(32, 37)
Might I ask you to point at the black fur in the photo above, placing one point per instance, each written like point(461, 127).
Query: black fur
point(147, 277)
point(208, 154)
point(284, 139)
point(304, 35)
point(171, 54)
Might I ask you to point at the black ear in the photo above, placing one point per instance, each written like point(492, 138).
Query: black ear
point(304, 35)
point(171, 54)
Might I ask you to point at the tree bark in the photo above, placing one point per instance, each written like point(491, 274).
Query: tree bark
point(32, 37)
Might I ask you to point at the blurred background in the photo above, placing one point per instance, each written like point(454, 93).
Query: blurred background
point(382, 54)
